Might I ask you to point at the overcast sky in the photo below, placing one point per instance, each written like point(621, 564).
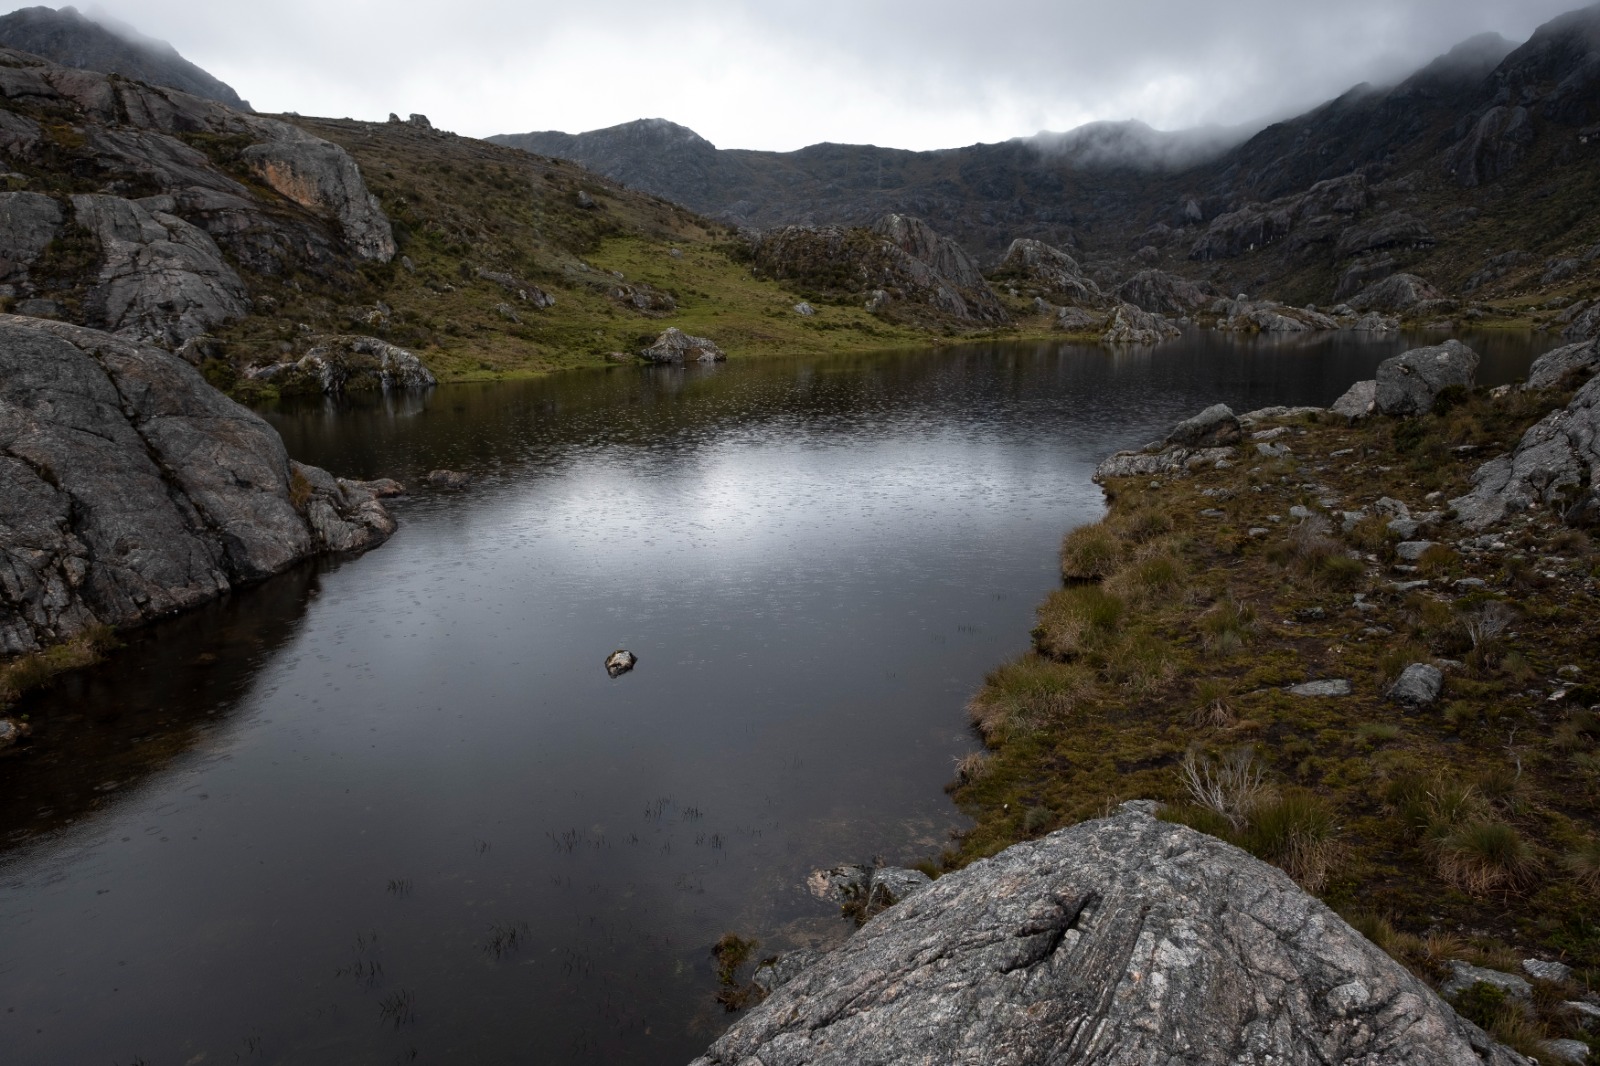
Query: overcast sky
point(780, 75)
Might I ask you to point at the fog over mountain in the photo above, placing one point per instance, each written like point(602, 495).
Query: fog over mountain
point(779, 76)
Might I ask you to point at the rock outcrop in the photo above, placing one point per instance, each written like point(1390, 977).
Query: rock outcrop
point(338, 365)
point(173, 193)
point(675, 347)
point(1129, 325)
point(1124, 940)
point(899, 267)
point(1166, 294)
point(130, 488)
point(1556, 464)
point(1571, 365)
point(1049, 270)
point(1398, 292)
point(1269, 316)
point(1409, 383)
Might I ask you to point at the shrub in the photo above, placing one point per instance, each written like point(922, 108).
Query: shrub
point(1294, 831)
point(1089, 553)
point(1483, 855)
point(1227, 627)
point(1231, 787)
point(1211, 707)
point(1582, 863)
point(1073, 619)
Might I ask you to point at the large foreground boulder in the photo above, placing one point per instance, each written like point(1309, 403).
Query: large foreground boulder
point(1556, 464)
point(1120, 941)
point(1409, 383)
point(130, 488)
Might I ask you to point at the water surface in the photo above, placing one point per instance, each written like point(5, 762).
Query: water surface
point(391, 809)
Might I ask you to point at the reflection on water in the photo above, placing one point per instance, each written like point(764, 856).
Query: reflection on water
point(300, 826)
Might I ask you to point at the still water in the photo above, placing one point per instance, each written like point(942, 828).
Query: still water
point(391, 809)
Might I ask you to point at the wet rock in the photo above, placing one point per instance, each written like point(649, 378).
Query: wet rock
point(676, 347)
point(1409, 383)
point(1359, 401)
point(1555, 464)
point(1418, 685)
point(620, 662)
point(1338, 687)
point(1574, 364)
point(1214, 427)
point(1398, 292)
point(130, 488)
point(448, 479)
point(1464, 975)
point(1119, 940)
point(772, 974)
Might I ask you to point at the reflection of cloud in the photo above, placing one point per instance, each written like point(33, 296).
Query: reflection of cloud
point(779, 75)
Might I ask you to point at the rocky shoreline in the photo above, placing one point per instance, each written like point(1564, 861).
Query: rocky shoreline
point(1134, 939)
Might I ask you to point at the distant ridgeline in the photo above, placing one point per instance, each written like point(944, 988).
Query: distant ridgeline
point(1477, 173)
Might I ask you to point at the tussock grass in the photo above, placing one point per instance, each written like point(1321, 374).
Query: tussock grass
point(27, 672)
point(1089, 553)
point(1430, 817)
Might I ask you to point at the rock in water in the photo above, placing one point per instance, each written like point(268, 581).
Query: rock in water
point(1409, 383)
point(620, 662)
point(1120, 941)
point(448, 479)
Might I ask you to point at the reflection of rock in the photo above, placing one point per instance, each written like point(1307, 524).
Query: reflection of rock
point(620, 662)
point(1123, 940)
point(130, 488)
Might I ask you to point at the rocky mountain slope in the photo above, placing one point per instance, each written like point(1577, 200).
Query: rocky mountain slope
point(69, 38)
point(1474, 173)
point(1123, 940)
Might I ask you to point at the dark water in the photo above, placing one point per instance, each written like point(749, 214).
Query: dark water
point(391, 809)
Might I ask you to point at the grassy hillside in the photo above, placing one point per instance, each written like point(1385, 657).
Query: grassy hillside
point(463, 209)
point(1161, 669)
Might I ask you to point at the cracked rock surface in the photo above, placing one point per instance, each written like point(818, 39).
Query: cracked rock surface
point(1124, 940)
point(130, 488)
